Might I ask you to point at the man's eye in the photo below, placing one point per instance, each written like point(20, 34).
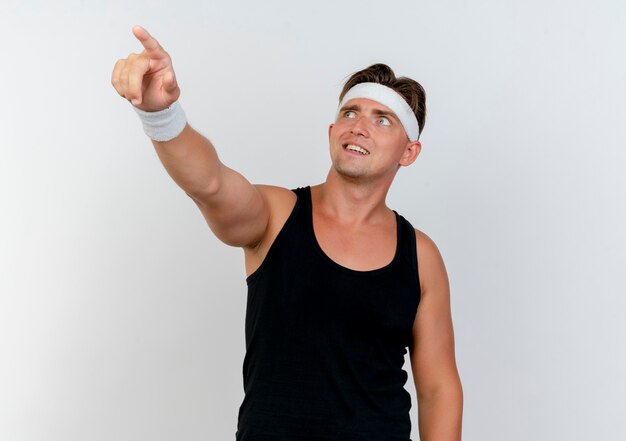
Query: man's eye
point(384, 121)
point(349, 114)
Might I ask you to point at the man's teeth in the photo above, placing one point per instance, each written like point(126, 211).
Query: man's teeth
point(356, 148)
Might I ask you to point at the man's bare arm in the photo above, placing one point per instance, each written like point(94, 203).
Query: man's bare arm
point(235, 210)
point(437, 382)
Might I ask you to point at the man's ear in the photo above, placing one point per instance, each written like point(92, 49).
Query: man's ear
point(330, 128)
point(411, 152)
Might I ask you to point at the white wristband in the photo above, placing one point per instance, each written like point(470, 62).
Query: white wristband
point(165, 124)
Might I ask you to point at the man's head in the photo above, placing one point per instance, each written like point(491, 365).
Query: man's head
point(412, 92)
point(380, 118)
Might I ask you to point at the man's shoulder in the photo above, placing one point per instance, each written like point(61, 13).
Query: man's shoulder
point(423, 240)
point(426, 246)
point(429, 260)
point(280, 202)
point(277, 198)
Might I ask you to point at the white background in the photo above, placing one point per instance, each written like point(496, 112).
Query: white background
point(122, 316)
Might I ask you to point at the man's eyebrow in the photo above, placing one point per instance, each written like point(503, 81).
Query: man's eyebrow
point(352, 107)
point(385, 113)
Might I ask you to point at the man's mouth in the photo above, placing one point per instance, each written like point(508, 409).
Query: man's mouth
point(356, 148)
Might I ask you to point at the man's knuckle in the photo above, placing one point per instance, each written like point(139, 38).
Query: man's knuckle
point(135, 70)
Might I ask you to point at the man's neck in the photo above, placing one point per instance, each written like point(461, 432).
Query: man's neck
point(351, 202)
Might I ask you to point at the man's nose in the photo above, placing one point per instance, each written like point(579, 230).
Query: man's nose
point(360, 126)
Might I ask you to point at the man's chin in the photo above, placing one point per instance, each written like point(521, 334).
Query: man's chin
point(350, 173)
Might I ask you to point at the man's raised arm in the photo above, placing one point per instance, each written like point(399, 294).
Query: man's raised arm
point(234, 208)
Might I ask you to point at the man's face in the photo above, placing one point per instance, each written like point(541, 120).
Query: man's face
point(367, 141)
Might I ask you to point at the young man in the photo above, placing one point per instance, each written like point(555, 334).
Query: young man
point(339, 285)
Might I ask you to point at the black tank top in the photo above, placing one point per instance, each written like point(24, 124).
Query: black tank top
point(325, 344)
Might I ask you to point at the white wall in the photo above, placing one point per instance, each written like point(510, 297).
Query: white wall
point(122, 317)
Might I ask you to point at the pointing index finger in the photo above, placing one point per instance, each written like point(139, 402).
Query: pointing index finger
point(153, 48)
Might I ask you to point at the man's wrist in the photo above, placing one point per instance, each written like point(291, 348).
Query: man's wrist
point(163, 125)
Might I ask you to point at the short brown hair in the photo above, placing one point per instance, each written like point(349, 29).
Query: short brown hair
point(412, 92)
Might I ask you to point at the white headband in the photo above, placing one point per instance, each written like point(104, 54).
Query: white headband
point(390, 98)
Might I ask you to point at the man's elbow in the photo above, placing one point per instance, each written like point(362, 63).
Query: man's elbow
point(449, 389)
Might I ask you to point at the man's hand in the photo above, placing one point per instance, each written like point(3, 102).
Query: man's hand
point(147, 79)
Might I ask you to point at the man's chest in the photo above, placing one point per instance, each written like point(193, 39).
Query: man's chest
point(361, 250)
